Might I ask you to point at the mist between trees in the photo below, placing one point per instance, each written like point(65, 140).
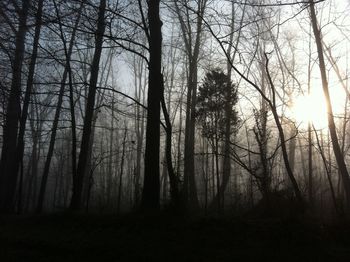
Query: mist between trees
point(192, 106)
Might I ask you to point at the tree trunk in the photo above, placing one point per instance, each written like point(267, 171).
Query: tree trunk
point(331, 124)
point(73, 122)
point(174, 190)
point(30, 80)
point(56, 118)
point(192, 44)
point(110, 157)
point(310, 139)
point(120, 185)
point(283, 139)
point(328, 173)
point(228, 104)
point(75, 203)
point(8, 179)
point(151, 186)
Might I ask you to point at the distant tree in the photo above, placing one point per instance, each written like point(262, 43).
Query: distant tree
point(213, 96)
point(211, 104)
point(262, 172)
point(191, 24)
point(57, 114)
point(26, 100)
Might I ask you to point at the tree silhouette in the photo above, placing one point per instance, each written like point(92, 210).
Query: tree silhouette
point(211, 103)
point(216, 97)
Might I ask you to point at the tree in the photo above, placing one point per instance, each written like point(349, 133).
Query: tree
point(151, 185)
point(174, 182)
point(331, 123)
point(232, 45)
point(217, 90)
point(28, 91)
point(8, 180)
point(192, 36)
point(52, 142)
point(78, 181)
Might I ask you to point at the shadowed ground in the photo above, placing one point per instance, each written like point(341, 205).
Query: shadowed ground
point(167, 238)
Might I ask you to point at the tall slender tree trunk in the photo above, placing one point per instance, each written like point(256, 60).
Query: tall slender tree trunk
point(110, 158)
point(8, 180)
point(190, 188)
point(174, 190)
point(139, 123)
point(36, 129)
point(71, 100)
point(140, 134)
point(228, 104)
point(52, 142)
point(310, 167)
point(75, 203)
point(30, 80)
point(24, 114)
point(281, 134)
point(328, 172)
point(192, 44)
point(292, 146)
point(179, 140)
point(151, 186)
point(73, 122)
point(89, 170)
point(331, 123)
point(310, 139)
point(205, 171)
point(121, 173)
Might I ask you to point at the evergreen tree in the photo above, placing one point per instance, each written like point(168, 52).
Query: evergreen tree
point(211, 101)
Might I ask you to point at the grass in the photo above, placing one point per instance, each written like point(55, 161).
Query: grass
point(63, 237)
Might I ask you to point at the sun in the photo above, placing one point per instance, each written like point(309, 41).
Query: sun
point(312, 108)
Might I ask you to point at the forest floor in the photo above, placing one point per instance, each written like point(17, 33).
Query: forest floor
point(63, 237)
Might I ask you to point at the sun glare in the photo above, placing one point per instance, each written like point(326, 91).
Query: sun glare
point(312, 108)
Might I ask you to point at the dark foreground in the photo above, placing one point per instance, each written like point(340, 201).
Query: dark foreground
point(167, 238)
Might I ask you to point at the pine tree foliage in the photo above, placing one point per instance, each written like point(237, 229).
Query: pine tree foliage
point(211, 100)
